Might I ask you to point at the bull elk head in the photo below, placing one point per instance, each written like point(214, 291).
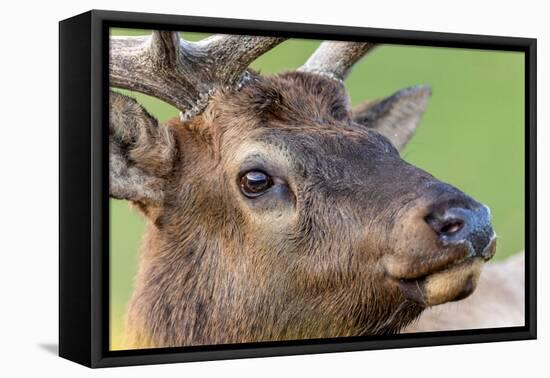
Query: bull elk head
point(275, 211)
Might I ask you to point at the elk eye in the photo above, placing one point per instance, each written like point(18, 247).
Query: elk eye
point(255, 183)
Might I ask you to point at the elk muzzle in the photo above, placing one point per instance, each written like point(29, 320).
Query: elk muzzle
point(458, 238)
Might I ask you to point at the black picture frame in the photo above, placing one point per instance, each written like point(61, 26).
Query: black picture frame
point(84, 200)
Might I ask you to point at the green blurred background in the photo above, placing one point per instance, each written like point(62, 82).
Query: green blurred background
point(472, 136)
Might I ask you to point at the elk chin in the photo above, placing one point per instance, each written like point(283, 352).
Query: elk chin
point(433, 281)
point(451, 284)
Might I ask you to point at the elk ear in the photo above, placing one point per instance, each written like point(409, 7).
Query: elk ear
point(396, 117)
point(141, 152)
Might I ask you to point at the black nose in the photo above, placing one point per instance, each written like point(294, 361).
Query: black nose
point(456, 225)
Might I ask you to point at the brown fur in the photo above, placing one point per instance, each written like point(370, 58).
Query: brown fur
point(316, 258)
point(499, 301)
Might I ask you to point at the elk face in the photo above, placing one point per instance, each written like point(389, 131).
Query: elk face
point(330, 203)
point(279, 213)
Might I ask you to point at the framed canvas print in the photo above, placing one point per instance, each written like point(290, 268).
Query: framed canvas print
point(234, 188)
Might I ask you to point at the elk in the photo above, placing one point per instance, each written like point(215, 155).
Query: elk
point(274, 210)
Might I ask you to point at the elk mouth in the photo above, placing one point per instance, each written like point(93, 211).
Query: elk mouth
point(454, 282)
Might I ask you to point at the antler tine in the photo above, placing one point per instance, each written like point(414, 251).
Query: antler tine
point(232, 53)
point(180, 72)
point(164, 48)
point(335, 58)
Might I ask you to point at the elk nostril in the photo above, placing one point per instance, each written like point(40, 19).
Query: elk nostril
point(443, 225)
point(460, 225)
point(451, 227)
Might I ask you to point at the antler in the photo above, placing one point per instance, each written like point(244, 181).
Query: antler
point(180, 72)
point(335, 58)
